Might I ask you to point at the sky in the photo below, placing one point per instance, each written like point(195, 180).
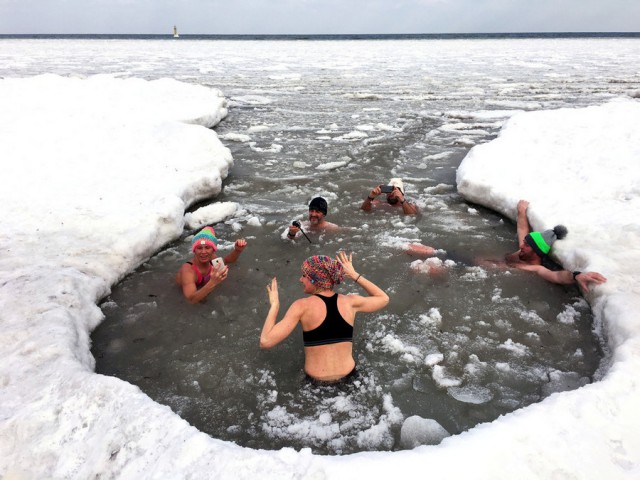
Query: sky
point(316, 16)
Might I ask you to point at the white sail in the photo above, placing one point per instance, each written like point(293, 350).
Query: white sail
point(175, 32)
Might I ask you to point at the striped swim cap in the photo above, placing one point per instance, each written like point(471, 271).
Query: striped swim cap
point(206, 236)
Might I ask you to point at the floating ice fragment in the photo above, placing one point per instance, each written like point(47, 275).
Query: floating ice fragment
point(473, 394)
point(330, 165)
point(563, 381)
point(210, 214)
point(418, 431)
point(516, 348)
point(235, 137)
point(439, 376)
point(569, 315)
point(433, 359)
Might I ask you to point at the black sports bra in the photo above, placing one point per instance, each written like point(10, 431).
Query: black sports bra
point(333, 329)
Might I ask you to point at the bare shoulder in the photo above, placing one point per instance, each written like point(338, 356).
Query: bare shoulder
point(305, 303)
point(185, 274)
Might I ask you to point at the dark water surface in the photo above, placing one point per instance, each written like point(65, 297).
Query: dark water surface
point(336, 118)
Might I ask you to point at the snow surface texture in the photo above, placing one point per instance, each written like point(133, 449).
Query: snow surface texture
point(95, 177)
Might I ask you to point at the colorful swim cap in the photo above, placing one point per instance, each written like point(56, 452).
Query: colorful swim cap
point(323, 272)
point(541, 242)
point(206, 236)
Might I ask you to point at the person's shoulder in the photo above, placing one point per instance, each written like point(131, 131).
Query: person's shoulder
point(186, 273)
point(550, 264)
point(186, 266)
point(330, 226)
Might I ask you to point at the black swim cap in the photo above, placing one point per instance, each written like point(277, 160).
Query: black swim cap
point(319, 204)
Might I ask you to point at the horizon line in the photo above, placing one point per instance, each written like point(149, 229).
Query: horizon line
point(170, 34)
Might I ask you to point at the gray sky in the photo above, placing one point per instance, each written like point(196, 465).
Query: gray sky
point(317, 16)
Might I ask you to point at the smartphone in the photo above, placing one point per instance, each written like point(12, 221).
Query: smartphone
point(217, 263)
point(386, 188)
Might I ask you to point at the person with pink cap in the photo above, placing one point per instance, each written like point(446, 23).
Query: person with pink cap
point(326, 317)
point(206, 270)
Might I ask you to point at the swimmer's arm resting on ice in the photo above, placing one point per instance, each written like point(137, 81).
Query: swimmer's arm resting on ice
point(565, 277)
point(273, 333)
point(522, 223)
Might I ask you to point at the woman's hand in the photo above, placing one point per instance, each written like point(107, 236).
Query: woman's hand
point(347, 265)
point(218, 275)
point(272, 291)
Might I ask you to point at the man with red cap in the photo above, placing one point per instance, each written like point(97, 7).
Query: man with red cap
point(206, 270)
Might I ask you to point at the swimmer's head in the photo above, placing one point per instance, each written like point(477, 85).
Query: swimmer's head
point(206, 236)
point(317, 210)
point(394, 197)
point(541, 242)
point(319, 204)
point(323, 272)
point(397, 182)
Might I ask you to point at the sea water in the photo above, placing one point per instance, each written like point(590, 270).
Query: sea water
point(336, 118)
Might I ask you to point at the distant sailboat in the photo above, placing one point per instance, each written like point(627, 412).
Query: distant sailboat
point(175, 32)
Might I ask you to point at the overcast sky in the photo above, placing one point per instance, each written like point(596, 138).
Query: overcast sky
point(317, 16)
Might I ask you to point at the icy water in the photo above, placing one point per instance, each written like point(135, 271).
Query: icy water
point(336, 118)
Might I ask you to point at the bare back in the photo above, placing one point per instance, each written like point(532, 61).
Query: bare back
point(335, 360)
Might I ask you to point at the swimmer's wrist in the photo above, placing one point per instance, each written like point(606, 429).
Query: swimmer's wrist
point(357, 278)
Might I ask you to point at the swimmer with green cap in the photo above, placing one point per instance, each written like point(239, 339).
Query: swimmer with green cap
point(533, 254)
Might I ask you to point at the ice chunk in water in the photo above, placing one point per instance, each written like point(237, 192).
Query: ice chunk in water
point(442, 379)
point(210, 214)
point(471, 394)
point(417, 431)
point(563, 381)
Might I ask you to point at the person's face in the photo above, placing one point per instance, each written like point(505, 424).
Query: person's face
point(307, 285)
point(394, 196)
point(315, 217)
point(526, 252)
point(204, 253)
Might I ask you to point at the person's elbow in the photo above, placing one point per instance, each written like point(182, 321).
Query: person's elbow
point(193, 300)
point(385, 299)
point(266, 343)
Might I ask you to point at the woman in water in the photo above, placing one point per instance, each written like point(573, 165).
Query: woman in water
point(326, 317)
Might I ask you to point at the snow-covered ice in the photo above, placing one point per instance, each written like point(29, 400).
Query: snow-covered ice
point(96, 175)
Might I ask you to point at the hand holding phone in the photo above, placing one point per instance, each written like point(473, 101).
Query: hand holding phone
point(218, 263)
